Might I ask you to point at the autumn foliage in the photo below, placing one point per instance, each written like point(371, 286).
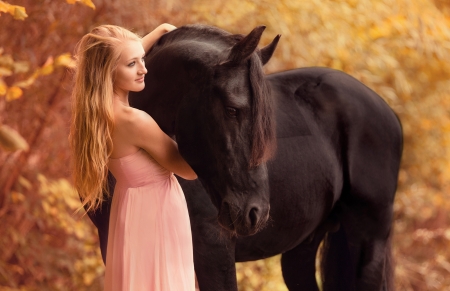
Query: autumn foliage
point(401, 49)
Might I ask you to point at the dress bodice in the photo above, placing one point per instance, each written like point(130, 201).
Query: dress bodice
point(137, 170)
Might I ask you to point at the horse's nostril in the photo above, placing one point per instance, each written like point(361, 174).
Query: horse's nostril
point(254, 216)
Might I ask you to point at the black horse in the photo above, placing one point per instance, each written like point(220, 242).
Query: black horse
point(332, 177)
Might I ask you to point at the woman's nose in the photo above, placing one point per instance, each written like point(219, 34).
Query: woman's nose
point(143, 69)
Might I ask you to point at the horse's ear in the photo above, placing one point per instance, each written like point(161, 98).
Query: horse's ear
point(245, 47)
point(267, 51)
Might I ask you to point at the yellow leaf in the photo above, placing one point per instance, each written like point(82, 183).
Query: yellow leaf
point(46, 206)
point(47, 68)
point(5, 72)
point(88, 3)
point(21, 67)
point(3, 87)
point(19, 13)
point(24, 182)
point(6, 61)
point(88, 278)
point(13, 93)
point(80, 231)
point(4, 6)
point(11, 140)
point(6, 65)
point(65, 60)
point(25, 83)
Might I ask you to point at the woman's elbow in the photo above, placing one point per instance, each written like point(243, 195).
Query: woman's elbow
point(191, 176)
point(188, 176)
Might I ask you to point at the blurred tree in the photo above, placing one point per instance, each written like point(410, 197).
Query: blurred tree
point(43, 244)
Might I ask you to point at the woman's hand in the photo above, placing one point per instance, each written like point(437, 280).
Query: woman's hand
point(150, 39)
point(166, 27)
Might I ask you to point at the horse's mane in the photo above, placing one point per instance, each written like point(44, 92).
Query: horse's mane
point(263, 120)
point(263, 117)
point(200, 33)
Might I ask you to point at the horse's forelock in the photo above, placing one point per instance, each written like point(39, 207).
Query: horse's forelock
point(263, 121)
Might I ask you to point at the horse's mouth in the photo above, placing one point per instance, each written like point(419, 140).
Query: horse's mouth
point(225, 218)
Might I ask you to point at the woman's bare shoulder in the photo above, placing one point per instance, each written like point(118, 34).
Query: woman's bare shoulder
point(133, 119)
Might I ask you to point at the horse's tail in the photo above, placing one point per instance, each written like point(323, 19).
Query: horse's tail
point(337, 270)
point(389, 266)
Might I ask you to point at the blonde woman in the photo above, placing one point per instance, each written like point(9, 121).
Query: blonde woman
point(150, 243)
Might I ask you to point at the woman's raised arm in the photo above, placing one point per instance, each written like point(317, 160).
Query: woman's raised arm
point(149, 40)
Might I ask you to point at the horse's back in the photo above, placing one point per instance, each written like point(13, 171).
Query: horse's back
point(329, 95)
point(343, 111)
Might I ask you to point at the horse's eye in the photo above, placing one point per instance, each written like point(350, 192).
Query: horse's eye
point(232, 112)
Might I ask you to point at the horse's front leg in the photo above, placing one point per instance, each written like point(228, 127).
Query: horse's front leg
point(214, 248)
point(214, 259)
point(299, 264)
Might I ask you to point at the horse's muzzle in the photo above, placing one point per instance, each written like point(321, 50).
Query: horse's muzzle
point(247, 221)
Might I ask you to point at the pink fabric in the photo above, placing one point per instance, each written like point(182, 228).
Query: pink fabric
point(150, 242)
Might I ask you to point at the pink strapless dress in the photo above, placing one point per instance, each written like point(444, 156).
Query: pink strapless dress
point(150, 241)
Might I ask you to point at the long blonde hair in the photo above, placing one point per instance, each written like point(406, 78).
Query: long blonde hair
point(97, 55)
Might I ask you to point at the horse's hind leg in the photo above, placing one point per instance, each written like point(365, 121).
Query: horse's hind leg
point(365, 212)
point(354, 263)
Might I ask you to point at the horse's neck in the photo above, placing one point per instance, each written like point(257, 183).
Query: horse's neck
point(164, 112)
point(161, 108)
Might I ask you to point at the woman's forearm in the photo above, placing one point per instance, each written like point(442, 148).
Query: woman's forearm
point(149, 40)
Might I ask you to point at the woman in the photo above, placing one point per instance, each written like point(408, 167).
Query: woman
point(150, 243)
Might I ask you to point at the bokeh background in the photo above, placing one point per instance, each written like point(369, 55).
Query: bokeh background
point(399, 48)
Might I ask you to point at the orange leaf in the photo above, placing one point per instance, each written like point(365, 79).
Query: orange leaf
point(13, 93)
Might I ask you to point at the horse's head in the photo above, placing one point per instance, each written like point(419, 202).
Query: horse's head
point(209, 91)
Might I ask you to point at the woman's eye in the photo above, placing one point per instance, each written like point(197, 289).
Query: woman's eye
point(231, 112)
point(131, 64)
point(143, 59)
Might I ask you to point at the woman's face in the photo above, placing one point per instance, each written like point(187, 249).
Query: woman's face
point(130, 71)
